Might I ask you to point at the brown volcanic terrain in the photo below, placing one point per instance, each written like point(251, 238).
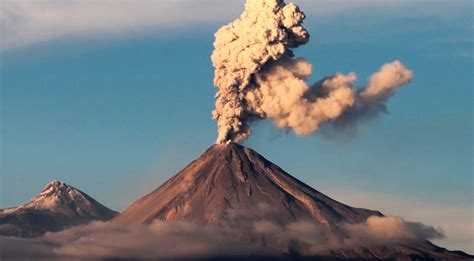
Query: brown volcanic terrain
point(229, 177)
point(234, 185)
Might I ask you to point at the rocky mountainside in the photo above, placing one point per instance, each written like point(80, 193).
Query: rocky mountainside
point(56, 207)
point(231, 185)
point(232, 177)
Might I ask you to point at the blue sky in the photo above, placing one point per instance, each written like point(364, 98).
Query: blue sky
point(115, 112)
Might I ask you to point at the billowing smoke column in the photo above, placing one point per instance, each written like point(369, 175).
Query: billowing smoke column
point(257, 77)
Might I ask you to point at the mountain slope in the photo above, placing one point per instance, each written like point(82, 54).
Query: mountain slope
point(230, 185)
point(56, 207)
point(229, 177)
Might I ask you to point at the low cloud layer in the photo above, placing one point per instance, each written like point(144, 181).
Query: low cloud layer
point(101, 240)
point(181, 240)
point(391, 229)
point(455, 219)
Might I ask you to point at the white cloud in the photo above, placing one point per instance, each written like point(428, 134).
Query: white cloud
point(28, 22)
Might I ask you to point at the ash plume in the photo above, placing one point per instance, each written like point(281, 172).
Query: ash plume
point(258, 77)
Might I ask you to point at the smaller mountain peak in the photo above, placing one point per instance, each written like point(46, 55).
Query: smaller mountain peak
point(56, 186)
point(60, 197)
point(56, 207)
point(56, 183)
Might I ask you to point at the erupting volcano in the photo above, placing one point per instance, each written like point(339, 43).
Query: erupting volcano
point(237, 189)
point(231, 202)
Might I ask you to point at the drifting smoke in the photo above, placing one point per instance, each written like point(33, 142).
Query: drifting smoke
point(258, 78)
point(182, 240)
point(371, 99)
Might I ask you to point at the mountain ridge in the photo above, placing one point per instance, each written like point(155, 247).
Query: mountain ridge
point(230, 165)
point(230, 185)
point(231, 203)
point(58, 206)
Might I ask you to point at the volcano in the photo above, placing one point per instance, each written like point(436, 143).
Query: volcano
point(231, 185)
point(230, 177)
point(57, 207)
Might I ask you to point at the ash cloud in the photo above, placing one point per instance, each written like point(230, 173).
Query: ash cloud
point(371, 99)
point(161, 240)
point(265, 31)
point(258, 77)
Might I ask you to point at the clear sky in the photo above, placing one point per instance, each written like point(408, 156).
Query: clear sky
point(116, 103)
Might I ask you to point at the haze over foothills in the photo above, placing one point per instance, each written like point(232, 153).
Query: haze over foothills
point(106, 95)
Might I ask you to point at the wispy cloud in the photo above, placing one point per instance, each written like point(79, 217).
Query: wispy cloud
point(28, 22)
point(25, 23)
